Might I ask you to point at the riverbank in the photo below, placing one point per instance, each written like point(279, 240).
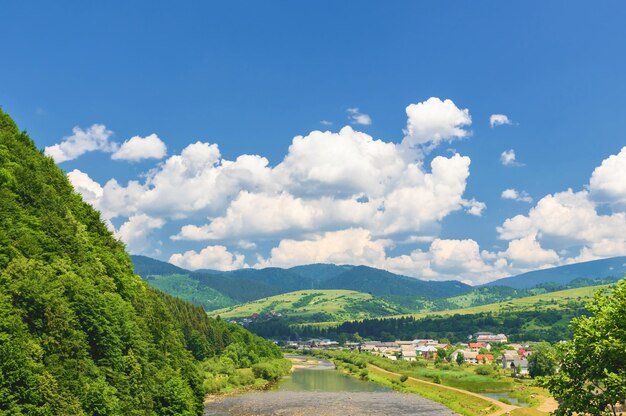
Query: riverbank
point(314, 387)
point(464, 401)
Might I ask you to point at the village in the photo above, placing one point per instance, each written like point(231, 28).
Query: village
point(483, 348)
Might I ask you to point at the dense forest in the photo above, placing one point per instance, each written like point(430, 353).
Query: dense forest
point(80, 333)
point(532, 325)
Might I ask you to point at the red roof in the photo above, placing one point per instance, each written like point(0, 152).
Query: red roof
point(489, 357)
point(477, 344)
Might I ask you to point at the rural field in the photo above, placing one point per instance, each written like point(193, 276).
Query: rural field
point(308, 305)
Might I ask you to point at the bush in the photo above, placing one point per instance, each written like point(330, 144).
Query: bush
point(363, 374)
point(485, 370)
point(404, 378)
point(271, 370)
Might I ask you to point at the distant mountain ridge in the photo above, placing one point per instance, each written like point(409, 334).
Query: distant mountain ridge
point(245, 285)
point(595, 269)
point(215, 290)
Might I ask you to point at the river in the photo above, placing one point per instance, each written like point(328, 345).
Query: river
point(320, 390)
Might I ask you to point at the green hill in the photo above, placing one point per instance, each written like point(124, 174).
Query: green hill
point(315, 305)
point(596, 269)
point(80, 333)
point(213, 289)
point(542, 317)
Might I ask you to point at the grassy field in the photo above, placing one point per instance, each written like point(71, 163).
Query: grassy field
point(323, 305)
point(462, 403)
point(552, 300)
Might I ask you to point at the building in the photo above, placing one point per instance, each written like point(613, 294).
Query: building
point(408, 353)
point(475, 346)
point(511, 360)
point(492, 338)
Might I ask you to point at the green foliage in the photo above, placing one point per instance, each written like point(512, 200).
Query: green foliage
point(271, 370)
point(485, 370)
point(542, 361)
point(592, 375)
point(460, 358)
point(80, 334)
point(403, 378)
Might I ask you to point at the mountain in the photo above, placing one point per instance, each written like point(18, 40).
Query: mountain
point(245, 285)
point(147, 266)
point(381, 283)
point(314, 306)
point(320, 272)
point(612, 267)
point(80, 333)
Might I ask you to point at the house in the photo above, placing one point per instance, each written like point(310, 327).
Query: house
point(408, 353)
point(492, 338)
point(484, 358)
point(471, 357)
point(426, 351)
point(475, 346)
point(425, 342)
point(511, 360)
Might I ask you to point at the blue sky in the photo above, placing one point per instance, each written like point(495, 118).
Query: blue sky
point(250, 76)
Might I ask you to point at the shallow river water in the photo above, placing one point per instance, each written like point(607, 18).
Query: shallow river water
point(324, 391)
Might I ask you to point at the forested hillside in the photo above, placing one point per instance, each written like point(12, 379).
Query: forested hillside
point(80, 334)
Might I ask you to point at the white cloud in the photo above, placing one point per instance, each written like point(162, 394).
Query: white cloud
point(351, 246)
point(327, 181)
point(527, 252)
point(608, 181)
point(499, 120)
point(433, 121)
point(138, 148)
point(87, 187)
point(356, 117)
point(508, 158)
point(136, 232)
point(515, 195)
point(326, 123)
point(474, 207)
point(573, 223)
point(444, 260)
point(210, 257)
point(82, 141)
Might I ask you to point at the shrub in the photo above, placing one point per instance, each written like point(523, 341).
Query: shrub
point(485, 370)
point(271, 370)
point(363, 374)
point(404, 378)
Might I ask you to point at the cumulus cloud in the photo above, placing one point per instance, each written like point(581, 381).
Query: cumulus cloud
point(327, 181)
point(94, 138)
point(515, 195)
point(508, 158)
point(444, 259)
point(210, 257)
point(608, 181)
point(87, 187)
point(527, 252)
point(139, 148)
point(136, 232)
point(584, 225)
point(356, 117)
point(474, 207)
point(499, 120)
point(433, 121)
point(339, 196)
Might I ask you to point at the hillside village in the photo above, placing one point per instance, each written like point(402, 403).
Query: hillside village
point(483, 348)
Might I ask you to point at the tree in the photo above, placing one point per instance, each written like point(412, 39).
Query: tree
point(460, 358)
point(542, 361)
point(592, 376)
